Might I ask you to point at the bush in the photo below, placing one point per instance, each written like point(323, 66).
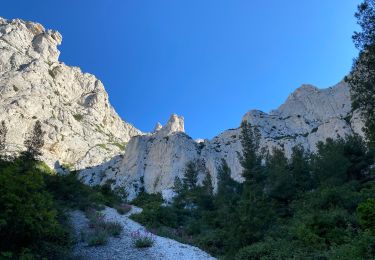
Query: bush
point(96, 238)
point(29, 217)
point(144, 199)
point(142, 239)
point(123, 208)
point(100, 229)
point(366, 214)
point(78, 117)
point(68, 191)
point(113, 228)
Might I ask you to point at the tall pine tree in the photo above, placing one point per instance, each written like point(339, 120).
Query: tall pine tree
point(3, 137)
point(35, 142)
point(254, 207)
point(362, 77)
point(190, 178)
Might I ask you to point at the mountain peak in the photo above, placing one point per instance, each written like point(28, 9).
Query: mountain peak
point(174, 124)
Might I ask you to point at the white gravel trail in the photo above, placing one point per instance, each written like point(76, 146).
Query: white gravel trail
point(123, 248)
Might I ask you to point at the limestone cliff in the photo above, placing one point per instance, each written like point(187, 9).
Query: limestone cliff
point(82, 129)
point(154, 160)
point(85, 133)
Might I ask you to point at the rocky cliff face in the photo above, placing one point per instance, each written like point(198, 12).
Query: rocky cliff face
point(154, 160)
point(84, 132)
point(82, 129)
point(309, 115)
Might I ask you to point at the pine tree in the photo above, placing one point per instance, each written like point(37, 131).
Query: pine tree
point(226, 187)
point(362, 77)
point(177, 186)
point(35, 142)
point(280, 182)
point(300, 169)
point(250, 160)
point(190, 178)
point(207, 185)
point(255, 210)
point(3, 136)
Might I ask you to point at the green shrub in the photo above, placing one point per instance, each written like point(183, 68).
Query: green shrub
point(96, 238)
point(123, 208)
point(113, 228)
point(366, 214)
point(144, 199)
point(143, 242)
point(68, 191)
point(78, 117)
point(99, 229)
point(29, 217)
point(142, 239)
point(121, 146)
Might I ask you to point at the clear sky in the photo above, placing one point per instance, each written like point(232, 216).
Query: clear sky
point(208, 60)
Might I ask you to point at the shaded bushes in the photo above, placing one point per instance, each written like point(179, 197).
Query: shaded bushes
point(142, 238)
point(305, 207)
point(30, 220)
point(100, 229)
point(70, 192)
point(33, 202)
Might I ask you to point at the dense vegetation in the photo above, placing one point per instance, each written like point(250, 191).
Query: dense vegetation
point(310, 206)
point(362, 77)
point(34, 201)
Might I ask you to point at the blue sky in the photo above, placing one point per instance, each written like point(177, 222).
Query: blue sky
point(208, 60)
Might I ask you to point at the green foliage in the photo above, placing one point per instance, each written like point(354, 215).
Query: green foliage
point(78, 117)
point(366, 214)
point(191, 176)
point(342, 160)
point(311, 206)
point(33, 202)
point(121, 146)
point(143, 242)
point(95, 238)
point(123, 208)
point(250, 160)
point(281, 184)
point(100, 230)
point(300, 170)
point(114, 228)
point(29, 217)
point(142, 238)
point(68, 191)
point(143, 200)
point(177, 185)
point(34, 142)
point(362, 77)
point(366, 20)
point(3, 137)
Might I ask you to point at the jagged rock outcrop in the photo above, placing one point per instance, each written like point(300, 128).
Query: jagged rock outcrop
point(82, 129)
point(309, 115)
point(84, 132)
point(151, 161)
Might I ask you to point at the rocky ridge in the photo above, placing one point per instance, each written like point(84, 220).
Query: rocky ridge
point(85, 133)
point(82, 129)
point(153, 161)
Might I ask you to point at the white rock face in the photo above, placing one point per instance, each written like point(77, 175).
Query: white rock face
point(309, 115)
point(82, 129)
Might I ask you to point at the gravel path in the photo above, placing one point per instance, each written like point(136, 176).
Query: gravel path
point(122, 247)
